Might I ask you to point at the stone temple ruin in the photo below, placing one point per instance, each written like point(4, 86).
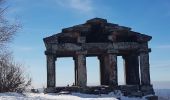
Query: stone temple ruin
point(105, 40)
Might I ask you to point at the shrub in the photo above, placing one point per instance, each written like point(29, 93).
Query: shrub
point(12, 76)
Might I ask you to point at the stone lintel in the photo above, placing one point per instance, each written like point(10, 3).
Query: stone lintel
point(81, 52)
point(112, 51)
point(95, 46)
point(126, 45)
point(66, 47)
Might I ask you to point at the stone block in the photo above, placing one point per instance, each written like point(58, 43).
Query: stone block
point(147, 89)
point(152, 98)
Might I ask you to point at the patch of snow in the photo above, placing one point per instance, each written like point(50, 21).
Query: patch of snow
point(53, 96)
point(164, 94)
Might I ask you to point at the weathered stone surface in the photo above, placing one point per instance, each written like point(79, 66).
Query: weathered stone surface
point(131, 65)
point(50, 71)
point(97, 37)
point(97, 30)
point(108, 69)
point(65, 47)
point(130, 90)
point(81, 70)
point(144, 68)
point(152, 98)
point(147, 89)
point(113, 80)
point(126, 45)
point(95, 46)
point(81, 39)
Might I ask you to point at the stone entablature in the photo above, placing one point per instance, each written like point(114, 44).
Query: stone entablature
point(105, 40)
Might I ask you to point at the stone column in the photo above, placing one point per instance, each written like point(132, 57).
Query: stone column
point(75, 70)
point(102, 74)
point(144, 68)
point(113, 81)
point(50, 71)
point(131, 65)
point(108, 69)
point(81, 69)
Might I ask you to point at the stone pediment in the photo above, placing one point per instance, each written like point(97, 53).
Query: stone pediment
point(97, 30)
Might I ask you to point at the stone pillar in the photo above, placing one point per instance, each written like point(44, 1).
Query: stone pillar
point(81, 69)
point(50, 71)
point(108, 69)
point(113, 70)
point(144, 68)
point(131, 65)
point(102, 72)
point(75, 71)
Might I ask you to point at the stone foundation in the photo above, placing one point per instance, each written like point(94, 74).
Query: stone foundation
point(126, 90)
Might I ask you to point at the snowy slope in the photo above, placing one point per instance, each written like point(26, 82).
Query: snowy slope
point(164, 94)
point(73, 96)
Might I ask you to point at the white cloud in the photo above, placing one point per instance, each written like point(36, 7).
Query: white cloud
point(83, 6)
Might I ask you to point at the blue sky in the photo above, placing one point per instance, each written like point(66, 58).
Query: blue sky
point(42, 18)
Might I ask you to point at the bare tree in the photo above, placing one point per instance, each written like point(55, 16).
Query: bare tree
point(12, 76)
point(7, 30)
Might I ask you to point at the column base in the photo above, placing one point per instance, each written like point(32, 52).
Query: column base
point(126, 90)
point(152, 98)
point(147, 89)
point(113, 83)
point(50, 90)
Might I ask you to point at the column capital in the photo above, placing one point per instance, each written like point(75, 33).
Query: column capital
point(99, 57)
point(52, 55)
point(83, 52)
point(48, 52)
point(145, 50)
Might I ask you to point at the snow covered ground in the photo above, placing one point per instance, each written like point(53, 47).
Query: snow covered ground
point(164, 94)
point(73, 96)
